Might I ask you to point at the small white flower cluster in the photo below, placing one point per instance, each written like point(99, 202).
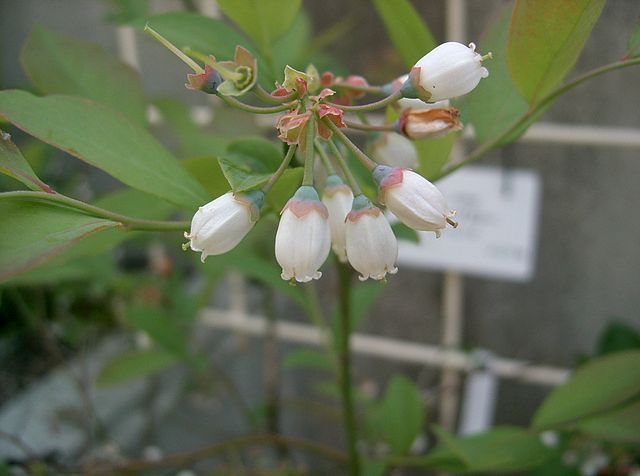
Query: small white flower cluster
point(355, 228)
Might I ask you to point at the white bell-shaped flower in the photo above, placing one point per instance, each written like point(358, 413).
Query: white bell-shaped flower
point(372, 248)
point(303, 239)
point(450, 70)
point(221, 224)
point(413, 199)
point(337, 197)
point(414, 103)
point(395, 150)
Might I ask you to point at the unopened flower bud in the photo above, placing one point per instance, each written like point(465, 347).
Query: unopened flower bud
point(429, 123)
point(337, 197)
point(450, 70)
point(221, 224)
point(303, 239)
point(413, 199)
point(394, 150)
point(372, 248)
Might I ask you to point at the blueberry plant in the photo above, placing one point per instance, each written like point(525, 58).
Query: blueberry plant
point(327, 183)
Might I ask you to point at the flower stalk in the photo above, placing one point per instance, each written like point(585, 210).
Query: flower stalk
point(362, 157)
point(393, 97)
point(130, 223)
point(351, 180)
point(324, 158)
point(307, 179)
point(283, 166)
point(175, 50)
point(236, 103)
point(372, 127)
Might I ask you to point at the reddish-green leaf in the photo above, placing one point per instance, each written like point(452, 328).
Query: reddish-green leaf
point(13, 164)
point(545, 40)
point(35, 231)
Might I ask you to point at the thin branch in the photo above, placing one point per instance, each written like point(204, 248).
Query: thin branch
point(135, 466)
point(233, 102)
point(371, 106)
point(371, 127)
point(129, 222)
point(361, 156)
point(535, 111)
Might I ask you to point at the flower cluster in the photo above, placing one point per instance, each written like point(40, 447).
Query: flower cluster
point(341, 218)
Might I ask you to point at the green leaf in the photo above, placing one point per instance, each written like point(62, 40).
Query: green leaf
point(262, 20)
point(135, 203)
point(193, 140)
point(545, 40)
point(88, 268)
point(207, 171)
point(291, 47)
point(616, 337)
point(434, 154)
point(403, 232)
point(125, 11)
point(307, 358)
point(363, 297)
point(402, 414)
point(408, 33)
point(13, 164)
point(619, 426)
point(373, 468)
point(284, 188)
point(208, 36)
point(91, 257)
point(57, 64)
point(35, 231)
point(241, 176)
point(502, 449)
point(495, 104)
point(254, 150)
point(134, 365)
point(161, 326)
point(248, 163)
point(105, 139)
point(633, 45)
point(597, 386)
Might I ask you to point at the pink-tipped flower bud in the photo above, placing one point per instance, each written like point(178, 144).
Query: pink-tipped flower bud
point(372, 248)
point(221, 224)
point(337, 197)
point(395, 150)
point(303, 239)
point(432, 123)
point(413, 199)
point(450, 70)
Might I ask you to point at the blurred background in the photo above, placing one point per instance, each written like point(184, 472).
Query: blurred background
point(577, 296)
